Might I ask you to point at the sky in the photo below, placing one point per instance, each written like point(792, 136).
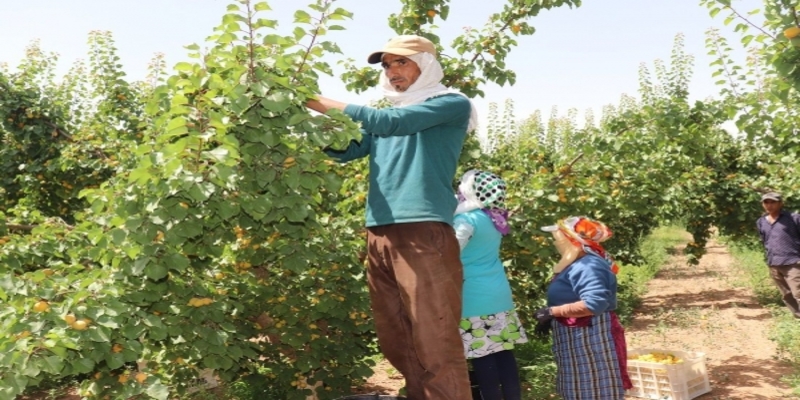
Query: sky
point(581, 58)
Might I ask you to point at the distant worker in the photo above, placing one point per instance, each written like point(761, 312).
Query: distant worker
point(780, 235)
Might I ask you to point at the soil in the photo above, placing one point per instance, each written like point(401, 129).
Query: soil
point(692, 308)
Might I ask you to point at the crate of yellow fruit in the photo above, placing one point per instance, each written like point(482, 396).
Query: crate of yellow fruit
point(667, 374)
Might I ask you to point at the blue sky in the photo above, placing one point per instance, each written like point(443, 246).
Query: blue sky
point(582, 58)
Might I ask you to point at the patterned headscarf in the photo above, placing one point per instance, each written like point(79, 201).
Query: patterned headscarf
point(485, 191)
point(587, 234)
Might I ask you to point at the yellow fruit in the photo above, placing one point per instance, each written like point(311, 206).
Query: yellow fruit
point(80, 325)
point(431, 13)
point(41, 306)
point(48, 271)
point(69, 319)
point(515, 28)
point(23, 334)
point(140, 377)
point(288, 162)
point(116, 348)
point(122, 378)
point(200, 301)
point(792, 32)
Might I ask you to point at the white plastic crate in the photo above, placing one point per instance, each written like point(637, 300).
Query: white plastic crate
point(683, 381)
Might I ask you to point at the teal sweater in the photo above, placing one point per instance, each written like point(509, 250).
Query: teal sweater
point(486, 288)
point(413, 153)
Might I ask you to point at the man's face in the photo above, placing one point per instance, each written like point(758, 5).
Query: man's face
point(772, 206)
point(401, 71)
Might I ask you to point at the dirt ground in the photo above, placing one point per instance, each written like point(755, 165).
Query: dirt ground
point(693, 308)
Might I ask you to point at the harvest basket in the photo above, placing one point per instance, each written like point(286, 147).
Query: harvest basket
point(682, 381)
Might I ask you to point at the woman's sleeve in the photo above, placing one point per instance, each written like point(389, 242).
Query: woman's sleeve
point(591, 282)
point(464, 231)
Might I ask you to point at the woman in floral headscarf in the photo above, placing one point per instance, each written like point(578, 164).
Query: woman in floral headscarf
point(489, 327)
point(588, 340)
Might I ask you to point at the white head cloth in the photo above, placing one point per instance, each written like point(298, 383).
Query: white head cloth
point(429, 84)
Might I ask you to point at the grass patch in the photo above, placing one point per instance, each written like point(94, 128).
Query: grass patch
point(632, 279)
point(754, 273)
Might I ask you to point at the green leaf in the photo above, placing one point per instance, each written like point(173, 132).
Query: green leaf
point(52, 364)
point(276, 40)
point(85, 365)
point(58, 351)
point(298, 33)
point(158, 391)
point(219, 154)
point(259, 207)
point(276, 102)
point(227, 210)
point(133, 331)
point(297, 118)
point(177, 262)
point(155, 271)
point(118, 236)
point(184, 67)
point(99, 334)
point(262, 6)
point(296, 214)
point(188, 228)
point(301, 16)
point(200, 192)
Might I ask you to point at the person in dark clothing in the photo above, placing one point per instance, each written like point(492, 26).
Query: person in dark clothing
point(780, 235)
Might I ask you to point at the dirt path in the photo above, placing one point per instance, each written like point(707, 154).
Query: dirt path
point(693, 308)
point(701, 308)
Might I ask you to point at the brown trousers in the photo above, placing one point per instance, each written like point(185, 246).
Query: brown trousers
point(787, 278)
point(415, 281)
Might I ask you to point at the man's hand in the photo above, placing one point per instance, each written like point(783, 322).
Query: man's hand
point(323, 104)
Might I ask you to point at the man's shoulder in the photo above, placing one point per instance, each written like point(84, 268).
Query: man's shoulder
point(450, 98)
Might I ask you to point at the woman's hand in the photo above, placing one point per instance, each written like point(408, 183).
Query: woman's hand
point(543, 314)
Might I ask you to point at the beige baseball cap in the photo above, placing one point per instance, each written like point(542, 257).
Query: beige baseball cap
point(772, 196)
point(403, 45)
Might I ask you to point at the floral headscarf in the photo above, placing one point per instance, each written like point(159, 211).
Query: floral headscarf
point(485, 191)
point(587, 234)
